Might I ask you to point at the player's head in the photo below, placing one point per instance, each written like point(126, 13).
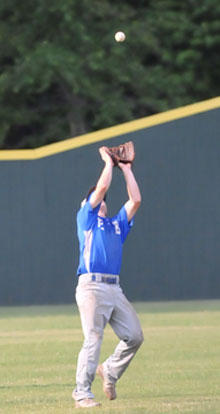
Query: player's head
point(91, 191)
point(103, 207)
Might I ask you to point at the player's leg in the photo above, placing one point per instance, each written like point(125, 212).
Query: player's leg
point(94, 313)
point(126, 325)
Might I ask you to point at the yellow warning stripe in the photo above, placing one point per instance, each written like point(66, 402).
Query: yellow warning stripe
point(112, 132)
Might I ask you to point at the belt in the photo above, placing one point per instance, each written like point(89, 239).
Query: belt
point(99, 278)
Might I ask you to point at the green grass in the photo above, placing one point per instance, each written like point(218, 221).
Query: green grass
point(177, 369)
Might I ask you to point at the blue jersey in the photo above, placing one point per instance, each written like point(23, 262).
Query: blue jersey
point(101, 240)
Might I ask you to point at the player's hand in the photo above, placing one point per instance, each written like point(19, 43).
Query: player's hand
point(125, 166)
point(105, 155)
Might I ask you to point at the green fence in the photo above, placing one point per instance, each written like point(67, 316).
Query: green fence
point(172, 251)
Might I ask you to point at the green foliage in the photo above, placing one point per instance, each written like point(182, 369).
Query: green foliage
point(62, 73)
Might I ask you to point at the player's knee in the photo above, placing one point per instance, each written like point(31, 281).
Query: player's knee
point(93, 337)
point(136, 339)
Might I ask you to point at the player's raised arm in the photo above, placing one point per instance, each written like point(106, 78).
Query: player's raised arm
point(133, 190)
point(105, 178)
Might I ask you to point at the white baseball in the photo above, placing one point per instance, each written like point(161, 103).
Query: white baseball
point(120, 37)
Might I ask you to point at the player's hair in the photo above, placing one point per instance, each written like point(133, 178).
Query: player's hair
point(91, 191)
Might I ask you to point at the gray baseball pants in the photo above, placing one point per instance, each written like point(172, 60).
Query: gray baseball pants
point(99, 304)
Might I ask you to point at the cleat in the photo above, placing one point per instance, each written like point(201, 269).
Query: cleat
point(108, 387)
point(87, 403)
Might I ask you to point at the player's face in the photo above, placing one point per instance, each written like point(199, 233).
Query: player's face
point(103, 209)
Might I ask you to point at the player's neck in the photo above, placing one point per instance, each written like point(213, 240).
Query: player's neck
point(102, 214)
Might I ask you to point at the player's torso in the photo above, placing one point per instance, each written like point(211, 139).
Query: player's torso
point(102, 246)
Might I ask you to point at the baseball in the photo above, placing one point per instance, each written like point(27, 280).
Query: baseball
point(120, 37)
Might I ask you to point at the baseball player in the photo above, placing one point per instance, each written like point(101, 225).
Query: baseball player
point(99, 296)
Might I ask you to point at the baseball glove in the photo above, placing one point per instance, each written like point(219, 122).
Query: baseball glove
point(123, 153)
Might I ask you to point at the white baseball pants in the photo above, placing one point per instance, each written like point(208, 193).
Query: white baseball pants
point(99, 304)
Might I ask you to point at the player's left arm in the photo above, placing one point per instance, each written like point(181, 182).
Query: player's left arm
point(134, 194)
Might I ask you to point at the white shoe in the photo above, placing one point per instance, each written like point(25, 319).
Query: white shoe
point(108, 387)
point(87, 403)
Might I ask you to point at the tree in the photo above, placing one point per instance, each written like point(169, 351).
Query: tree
point(62, 74)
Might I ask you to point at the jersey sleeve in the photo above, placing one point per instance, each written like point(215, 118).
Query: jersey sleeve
point(87, 215)
point(124, 224)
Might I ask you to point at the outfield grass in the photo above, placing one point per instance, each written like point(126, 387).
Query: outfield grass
point(177, 369)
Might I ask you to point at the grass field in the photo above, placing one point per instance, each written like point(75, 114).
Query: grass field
point(177, 369)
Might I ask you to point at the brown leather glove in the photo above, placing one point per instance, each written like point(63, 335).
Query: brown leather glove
point(122, 153)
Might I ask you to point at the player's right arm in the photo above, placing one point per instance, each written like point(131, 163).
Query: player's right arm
point(105, 179)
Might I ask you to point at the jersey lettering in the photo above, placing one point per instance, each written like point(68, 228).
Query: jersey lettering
point(100, 224)
point(117, 228)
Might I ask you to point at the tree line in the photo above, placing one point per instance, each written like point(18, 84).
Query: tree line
point(62, 74)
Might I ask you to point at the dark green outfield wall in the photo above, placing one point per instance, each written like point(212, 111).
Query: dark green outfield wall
point(173, 251)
